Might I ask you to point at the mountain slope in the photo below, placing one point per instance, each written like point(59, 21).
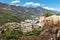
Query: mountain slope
point(11, 13)
point(24, 10)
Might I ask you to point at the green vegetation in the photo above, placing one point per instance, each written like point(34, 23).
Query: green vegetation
point(11, 34)
point(11, 16)
point(16, 34)
point(47, 14)
point(28, 33)
point(36, 31)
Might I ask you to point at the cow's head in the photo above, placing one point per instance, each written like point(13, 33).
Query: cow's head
point(42, 20)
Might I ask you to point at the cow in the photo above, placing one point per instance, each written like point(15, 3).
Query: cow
point(51, 23)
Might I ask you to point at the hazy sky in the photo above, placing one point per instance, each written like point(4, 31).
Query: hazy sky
point(47, 4)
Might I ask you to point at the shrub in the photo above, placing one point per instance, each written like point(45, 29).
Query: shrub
point(11, 35)
point(28, 33)
point(47, 14)
point(36, 31)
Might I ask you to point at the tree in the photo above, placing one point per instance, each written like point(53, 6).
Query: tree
point(47, 14)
